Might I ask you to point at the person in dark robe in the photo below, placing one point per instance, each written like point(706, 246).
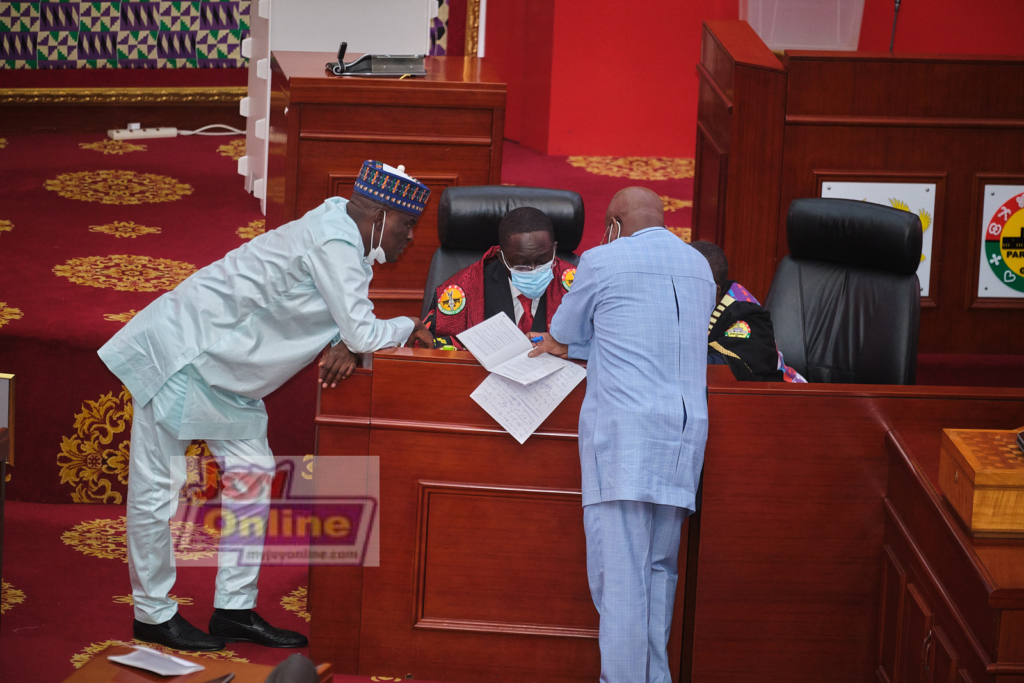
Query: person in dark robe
point(740, 333)
point(521, 277)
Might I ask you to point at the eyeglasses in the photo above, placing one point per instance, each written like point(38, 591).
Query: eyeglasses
point(528, 269)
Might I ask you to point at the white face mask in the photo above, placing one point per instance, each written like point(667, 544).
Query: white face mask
point(608, 232)
point(376, 253)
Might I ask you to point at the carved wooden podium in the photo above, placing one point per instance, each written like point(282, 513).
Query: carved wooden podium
point(446, 128)
point(772, 130)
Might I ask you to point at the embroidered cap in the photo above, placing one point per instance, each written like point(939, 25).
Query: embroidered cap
point(392, 187)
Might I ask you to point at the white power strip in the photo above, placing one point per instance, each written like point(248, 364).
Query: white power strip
point(142, 133)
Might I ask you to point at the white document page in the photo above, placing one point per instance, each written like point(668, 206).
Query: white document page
point(520, 409)
point(157, 662)
point(502, 347)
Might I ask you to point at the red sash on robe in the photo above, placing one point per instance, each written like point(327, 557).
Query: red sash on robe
point(468, 283)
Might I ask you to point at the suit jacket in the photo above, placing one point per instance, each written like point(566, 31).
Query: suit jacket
point(638, 312)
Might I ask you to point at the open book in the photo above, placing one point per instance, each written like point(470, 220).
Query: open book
point(503, 349)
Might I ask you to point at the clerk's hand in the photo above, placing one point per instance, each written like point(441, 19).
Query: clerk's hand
point(336, 364)
point(420, 336)
point(549, 345)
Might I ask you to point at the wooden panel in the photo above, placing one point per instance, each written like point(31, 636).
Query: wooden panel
point(741, 107)
point(386, 122)
point(926, 86)
point(951, 327)
point(917, 636)
point(483, 569)
point(1011, 637)
point(871, 114)
point(894, 582)
point(943, 664)
point(788, 504)
point(475, 540)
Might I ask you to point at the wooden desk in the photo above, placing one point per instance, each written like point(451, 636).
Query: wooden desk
point(446, 128)
point(793, 522)
point(102, 670)
point(952, 606)
point(483, 562)
point(790, 536)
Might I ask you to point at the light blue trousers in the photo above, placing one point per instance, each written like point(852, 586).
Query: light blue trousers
point(632, 564)
point(156, 473)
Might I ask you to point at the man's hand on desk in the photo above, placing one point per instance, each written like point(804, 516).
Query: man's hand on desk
point(420, 336)
point(549, 345)
point(337, 364)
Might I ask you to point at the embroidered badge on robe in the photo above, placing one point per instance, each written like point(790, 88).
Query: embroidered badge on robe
point(738, 330)
point(568, 277)
point(452, 300)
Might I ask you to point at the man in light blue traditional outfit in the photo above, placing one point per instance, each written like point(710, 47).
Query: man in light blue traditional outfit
point(199, 360)
point(638, 313)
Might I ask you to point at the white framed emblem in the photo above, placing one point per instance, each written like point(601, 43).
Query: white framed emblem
point(1001, 265)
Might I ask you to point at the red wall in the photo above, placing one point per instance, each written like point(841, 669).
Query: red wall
point(984, 27)
point(601, 77)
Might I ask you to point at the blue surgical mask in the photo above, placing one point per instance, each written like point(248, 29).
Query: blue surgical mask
point(532, 282)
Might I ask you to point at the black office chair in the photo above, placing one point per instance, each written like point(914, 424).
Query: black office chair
point(846, 302)
point(467, 225)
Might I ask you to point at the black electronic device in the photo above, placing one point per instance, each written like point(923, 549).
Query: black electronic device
point(1020, 441)
point(377, 66)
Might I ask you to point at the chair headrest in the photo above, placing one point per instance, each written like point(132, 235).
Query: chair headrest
point(468, 217)
point(854, 233)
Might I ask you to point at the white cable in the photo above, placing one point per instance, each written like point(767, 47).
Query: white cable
point(199, 131)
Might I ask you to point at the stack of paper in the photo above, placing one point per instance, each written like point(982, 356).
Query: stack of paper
point(521, 391)
point(157, 662)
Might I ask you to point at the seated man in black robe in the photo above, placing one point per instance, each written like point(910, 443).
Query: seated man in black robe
point(740, 333)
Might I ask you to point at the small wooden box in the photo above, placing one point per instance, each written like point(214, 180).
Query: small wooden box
point(981, 473)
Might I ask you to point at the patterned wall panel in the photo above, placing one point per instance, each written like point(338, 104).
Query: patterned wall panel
point(147, 34)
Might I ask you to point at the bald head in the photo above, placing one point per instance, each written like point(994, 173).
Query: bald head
point(634, 208)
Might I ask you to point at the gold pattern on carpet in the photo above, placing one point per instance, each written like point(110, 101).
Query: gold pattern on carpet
point(96, 458)
point(7, 314)
point(118, 187)
point(673, 204)
point(107, 539)
point(296, 602)
point(257, 227)
point(234, 149)
point(129, 600)
point(636, 168)
point(121, 317)
point(125, 272)
point(85, 656)
point(113, 146)
point(12, 596)
point(3, 142)
point(124, 229)
point(685, 234)
point(6, 226)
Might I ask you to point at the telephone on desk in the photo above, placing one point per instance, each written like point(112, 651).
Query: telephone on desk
point(377, 65)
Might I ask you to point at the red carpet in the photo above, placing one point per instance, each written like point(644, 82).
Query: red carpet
point(66, 591)
point(87, 238)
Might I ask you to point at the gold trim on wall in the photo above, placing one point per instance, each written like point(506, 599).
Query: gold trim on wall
point(472, 27)
point(122, 96)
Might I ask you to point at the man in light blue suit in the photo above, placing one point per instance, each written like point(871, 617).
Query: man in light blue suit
point(199, 360)
point(638, 313)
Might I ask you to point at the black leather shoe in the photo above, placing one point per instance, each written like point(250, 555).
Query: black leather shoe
point(178, 634)
point(257, 631)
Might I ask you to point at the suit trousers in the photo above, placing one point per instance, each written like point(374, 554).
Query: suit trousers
point(632, 565)
point(156, 473)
